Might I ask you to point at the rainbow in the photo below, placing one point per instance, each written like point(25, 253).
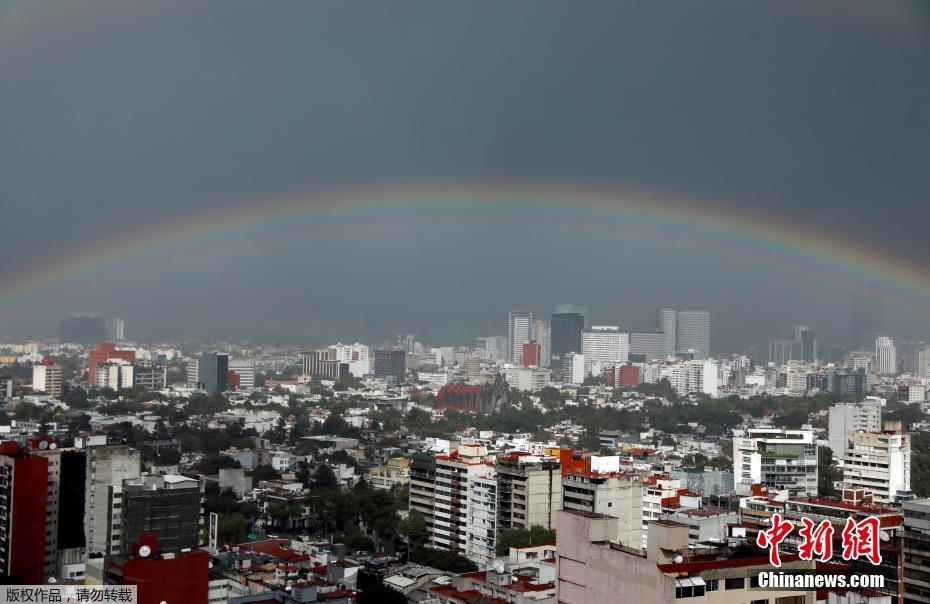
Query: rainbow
point(753, 237)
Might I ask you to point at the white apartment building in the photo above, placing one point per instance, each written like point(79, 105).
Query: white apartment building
point(531, 379)
point(881, 463)
point(604, 345)
point(358, 356)
point(776, 458)
point(694, 377)
point(47, 379)
point(846, 418)
point(115, 374)
point(245, 369)
point(481, 519)
point(573, 368)
point(655, 493)
point(613, 494)
point(193, 372)
point(451, 495)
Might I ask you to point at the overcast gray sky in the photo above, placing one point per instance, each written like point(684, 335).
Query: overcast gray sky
point(117, 116)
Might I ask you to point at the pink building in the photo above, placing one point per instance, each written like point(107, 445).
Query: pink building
point(593, 568)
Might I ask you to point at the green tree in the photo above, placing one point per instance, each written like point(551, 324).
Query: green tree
point(443, 560)
point(231, 528)
point(211, 464)
point(413, 527)
point(265, 472)
point(535, 535)
point(827, 473)
point(325, 478)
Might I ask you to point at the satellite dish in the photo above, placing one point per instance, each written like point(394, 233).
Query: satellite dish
point(678, 559)
point(43, 445)
point(499, 566)
point(52, 580)
point(53, 446)
point(145, 551)
point(883, 536)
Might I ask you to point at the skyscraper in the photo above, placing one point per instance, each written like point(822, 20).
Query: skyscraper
point(886, 359)
point(391, 364)
point(518, 331)
point(668, 323)
point(116, 329)
point(565, 330)
point(693, 332)
point(542, 334)
point(805, 335)
point(867, 318)
point(213, 371)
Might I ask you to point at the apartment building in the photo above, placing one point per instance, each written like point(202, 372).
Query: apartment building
point(777, 459)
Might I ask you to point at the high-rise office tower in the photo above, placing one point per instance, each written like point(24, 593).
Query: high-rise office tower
point(867, 318)
point(693, 332)
point(886, 359)
point(648, 346)
point(921, 362)
point(213, 371)
point(782, 351)
point(116, 329)
point(543, 335)
point(805, 335)
point(518, 331)
point(565, 330)
point(668, 324)
point(391, 364)
point(83, 329)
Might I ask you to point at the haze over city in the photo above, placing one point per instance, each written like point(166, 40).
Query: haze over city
point(205, 114)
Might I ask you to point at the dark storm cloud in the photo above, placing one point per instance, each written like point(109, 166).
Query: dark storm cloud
point(115, 118)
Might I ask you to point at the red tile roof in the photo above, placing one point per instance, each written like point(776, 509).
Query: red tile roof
point(279, 548)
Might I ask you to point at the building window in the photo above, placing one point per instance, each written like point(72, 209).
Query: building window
point(737, 583)
point(713, 585)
